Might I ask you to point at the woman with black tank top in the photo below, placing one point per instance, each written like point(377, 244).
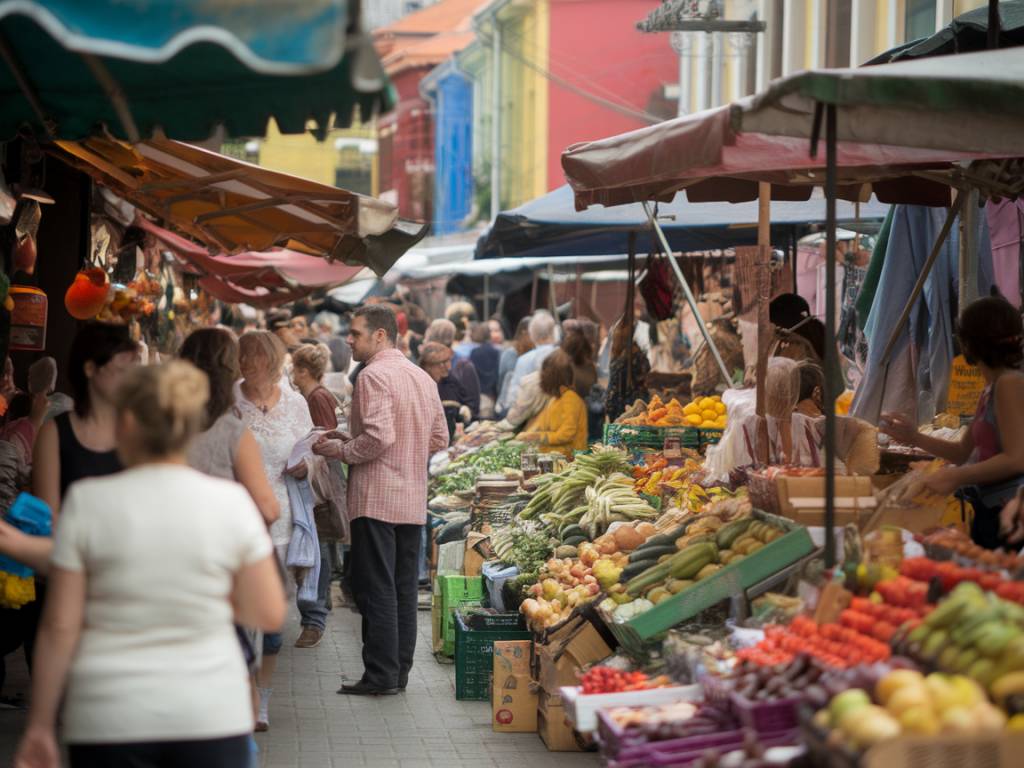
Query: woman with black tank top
point(74, 445)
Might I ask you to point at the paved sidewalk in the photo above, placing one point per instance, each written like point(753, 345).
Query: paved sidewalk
point(311, 726)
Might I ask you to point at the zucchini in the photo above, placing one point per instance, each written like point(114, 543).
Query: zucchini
point(574, 541)
point(651, 553)
point(688, 563)
point(732, 531)
point(633, 570)
point(649, 578)
point(664, 539)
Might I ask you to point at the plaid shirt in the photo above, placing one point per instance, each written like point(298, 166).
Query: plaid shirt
point(397, 423)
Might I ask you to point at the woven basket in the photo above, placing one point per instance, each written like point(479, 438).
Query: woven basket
point(706, 375)
point(763, 491)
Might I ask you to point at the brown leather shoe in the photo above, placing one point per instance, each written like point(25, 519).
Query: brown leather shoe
point(310, 638)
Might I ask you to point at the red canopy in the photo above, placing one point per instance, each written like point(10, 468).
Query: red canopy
point(259, 278)
point(703, 154)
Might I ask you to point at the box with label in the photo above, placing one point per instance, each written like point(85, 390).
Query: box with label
point(513, 704)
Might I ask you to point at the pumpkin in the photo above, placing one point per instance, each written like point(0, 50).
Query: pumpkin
point(87, 294)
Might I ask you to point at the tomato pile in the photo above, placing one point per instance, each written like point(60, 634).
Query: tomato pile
point(607, 680)
point(837, 645)
point(950, 574)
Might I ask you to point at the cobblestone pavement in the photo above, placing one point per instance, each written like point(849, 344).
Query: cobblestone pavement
point(311, 726)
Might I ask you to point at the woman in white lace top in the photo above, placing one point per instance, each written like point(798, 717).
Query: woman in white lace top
point(277, 417)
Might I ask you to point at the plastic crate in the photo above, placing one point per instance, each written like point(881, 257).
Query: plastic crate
point(474, 657)
point(636, 437)
point(709, 436)
point(622, 750)
point(454, 591)
point(729, 581)
point(767, 716)
point(489, 619)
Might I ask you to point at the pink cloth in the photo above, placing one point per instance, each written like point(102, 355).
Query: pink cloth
point(1005, 232)
point(397, 422)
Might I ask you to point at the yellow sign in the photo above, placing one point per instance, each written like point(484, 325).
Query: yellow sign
point(965, 386)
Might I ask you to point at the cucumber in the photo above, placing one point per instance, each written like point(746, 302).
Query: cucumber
point(633, 570)
point(652, 553)
point(570, 531)
point(640, 584)
point(574, 541)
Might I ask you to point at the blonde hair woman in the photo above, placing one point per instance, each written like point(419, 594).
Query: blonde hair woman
point(278, 417)
point(162, 559)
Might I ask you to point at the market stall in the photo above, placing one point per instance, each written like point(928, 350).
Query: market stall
point(687, 610)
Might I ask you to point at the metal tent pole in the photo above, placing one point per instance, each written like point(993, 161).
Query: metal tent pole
point(688, 293)
point(764, 329)
point(831, 361)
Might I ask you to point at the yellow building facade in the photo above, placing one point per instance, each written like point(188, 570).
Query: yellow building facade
point(346, 158)
point(521, 28)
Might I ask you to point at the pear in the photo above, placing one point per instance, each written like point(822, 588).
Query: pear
point(958, 720)
point(894, 681)
point(988, 718)
point(920, 720)
point(908, 697)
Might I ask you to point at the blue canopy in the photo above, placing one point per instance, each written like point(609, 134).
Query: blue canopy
point(551, 225)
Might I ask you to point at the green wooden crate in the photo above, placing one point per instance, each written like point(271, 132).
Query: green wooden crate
point(635, 437)
point(709, 436)
point(454, 591)
point(474, 656)
point(731, 580)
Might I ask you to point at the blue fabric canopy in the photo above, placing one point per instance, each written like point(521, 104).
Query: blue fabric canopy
point(551, 225)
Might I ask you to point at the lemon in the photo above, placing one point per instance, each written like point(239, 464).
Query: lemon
point(707, 403)
point(720, 407)
point(720, 422)
point(708, 414)
point(694, 419)
point(691, 409)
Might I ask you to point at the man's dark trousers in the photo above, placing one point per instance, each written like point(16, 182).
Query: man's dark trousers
point(385, 560)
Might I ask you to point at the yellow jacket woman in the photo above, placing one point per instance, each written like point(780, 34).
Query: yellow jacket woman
point(562, 426)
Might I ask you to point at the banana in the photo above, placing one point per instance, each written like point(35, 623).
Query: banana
point(1007, 685)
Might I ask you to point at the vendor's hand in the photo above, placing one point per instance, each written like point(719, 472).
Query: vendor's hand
point(330, 449)
point(529, 437)
point(335, 434)
point(943, 482)
point(299, 471)
point(10, 540)
point(38, 749)
point(465, 415)
point(899, 427)
point(1011, 519)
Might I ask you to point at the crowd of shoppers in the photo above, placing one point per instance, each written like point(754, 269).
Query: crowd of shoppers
point(193, 498)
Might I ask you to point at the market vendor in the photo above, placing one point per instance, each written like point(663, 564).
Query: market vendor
point(562, 426)
point(989, 458)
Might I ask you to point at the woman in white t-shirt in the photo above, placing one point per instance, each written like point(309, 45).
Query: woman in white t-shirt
point(150, 570)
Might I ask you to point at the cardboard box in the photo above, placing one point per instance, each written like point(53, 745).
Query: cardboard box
point(553, 725)
point(512, 657)
point(478, 551)
point(513, 704)
point(436, 620)
point(802, 499)
point(564, 656)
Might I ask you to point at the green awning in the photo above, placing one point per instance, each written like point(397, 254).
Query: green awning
point(184, 66)
point(972, 102)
